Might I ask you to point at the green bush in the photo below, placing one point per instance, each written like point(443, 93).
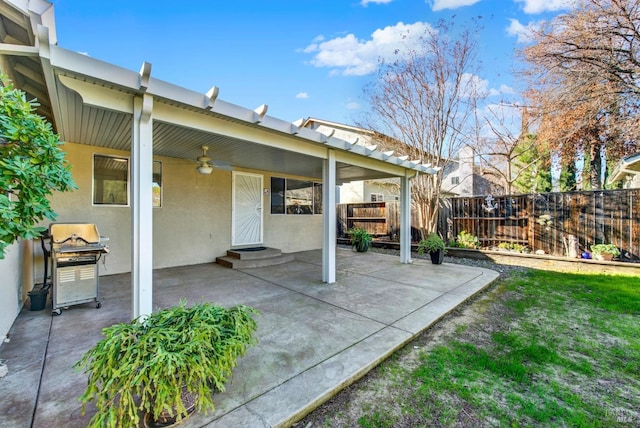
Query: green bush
point(599, 249)
point(467, 240)
point(360, 239)
point(146, 364)
point(513, 246)
point(432, 244)
point(32, 165)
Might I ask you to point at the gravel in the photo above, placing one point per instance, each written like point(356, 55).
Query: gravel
point(503, 270)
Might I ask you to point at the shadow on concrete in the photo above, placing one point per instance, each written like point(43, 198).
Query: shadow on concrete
point(314, 338)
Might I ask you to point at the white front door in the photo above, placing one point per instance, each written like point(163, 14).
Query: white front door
point(246, 217)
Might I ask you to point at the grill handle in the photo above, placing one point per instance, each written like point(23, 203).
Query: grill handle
point(73, 237)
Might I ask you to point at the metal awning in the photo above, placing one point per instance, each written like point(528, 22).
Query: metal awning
point(99, 104)
point(89, 102)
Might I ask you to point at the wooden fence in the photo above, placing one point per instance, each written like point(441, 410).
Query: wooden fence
point(378, 218)
point(547, 221)
point(544, 221)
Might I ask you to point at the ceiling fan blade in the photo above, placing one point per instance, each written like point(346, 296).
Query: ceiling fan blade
point(221, 165)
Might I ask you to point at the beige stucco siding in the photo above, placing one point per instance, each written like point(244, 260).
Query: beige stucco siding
point(16, 279)
point(192, 226)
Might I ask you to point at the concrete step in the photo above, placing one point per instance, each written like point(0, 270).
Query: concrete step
point(253, 254)
point(237, 263)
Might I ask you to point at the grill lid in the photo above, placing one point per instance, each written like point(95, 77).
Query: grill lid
point(74, 234)
point(73, 240)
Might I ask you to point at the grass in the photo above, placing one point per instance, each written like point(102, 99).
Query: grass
point(549, 349)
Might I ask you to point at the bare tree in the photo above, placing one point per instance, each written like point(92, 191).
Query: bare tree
point(585, 71)
point(510, 152)
point(425, 100)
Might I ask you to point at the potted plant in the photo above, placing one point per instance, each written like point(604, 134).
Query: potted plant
point(434, 245)
point(605, 251)
point(360, 239)
point(166, 365)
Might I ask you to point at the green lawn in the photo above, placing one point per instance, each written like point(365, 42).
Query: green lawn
point(540, 349)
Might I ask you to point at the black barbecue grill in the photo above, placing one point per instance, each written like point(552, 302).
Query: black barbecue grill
point(76, 249)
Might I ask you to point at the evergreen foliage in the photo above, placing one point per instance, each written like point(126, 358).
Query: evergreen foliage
point(146, 364)
point(32, 167)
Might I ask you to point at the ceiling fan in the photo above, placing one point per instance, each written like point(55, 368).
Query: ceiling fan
point(206, 164)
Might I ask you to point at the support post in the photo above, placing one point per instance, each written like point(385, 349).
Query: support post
point(405, 219)
point(329, 218)
point(142, 206)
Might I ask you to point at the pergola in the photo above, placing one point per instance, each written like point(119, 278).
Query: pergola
point(96, 103)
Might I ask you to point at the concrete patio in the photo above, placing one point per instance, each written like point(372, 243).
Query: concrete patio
point(314, 338)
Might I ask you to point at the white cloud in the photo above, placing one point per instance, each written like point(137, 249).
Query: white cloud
point(352, 105)
point(524, 33)
point(365, 3)
point(451, 4)
point(501, 90)
point(473, 82)
point(302, 95)
point(505, 117)
point(504, 89)
point(350, 56)
point(539, 6)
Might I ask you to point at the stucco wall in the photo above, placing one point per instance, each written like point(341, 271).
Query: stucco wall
point(12, 286)
point(192, 226)
point(289, 233)
point(389, 188)
point(352, 192)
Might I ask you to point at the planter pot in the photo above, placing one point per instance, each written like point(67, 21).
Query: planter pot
point(165, 420)
point(604, 256)
point(437, 257)
point(362, 247)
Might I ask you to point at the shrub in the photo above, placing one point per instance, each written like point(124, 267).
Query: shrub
point(467, 240)
point(513, 246)
point(432, 244)
point(605, 249)
point(146, 365)
point(360, 239)
point(32, 165)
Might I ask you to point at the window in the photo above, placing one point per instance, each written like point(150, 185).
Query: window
point(157, 184)
point(455, 181)
point(277, 195)
point(377, 197)
point(317, 198)
point(110, 180)
point(291, 196)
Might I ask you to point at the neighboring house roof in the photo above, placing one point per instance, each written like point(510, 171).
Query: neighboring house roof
point(363, 137)
point(627, 166)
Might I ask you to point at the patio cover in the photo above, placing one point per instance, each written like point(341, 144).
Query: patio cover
point(96, 103)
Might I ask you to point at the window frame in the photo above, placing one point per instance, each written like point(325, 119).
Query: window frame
point(379, 197)
point(128, 160)
point(161, 199)
point(316, 195)
point(93, 180)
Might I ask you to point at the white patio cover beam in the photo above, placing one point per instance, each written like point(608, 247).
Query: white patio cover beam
point(142, 206)
point(329, 218)
point(405, 219)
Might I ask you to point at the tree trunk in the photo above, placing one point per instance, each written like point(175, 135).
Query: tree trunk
point(596, 166)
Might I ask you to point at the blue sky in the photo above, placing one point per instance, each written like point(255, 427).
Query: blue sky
point(302, 58)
